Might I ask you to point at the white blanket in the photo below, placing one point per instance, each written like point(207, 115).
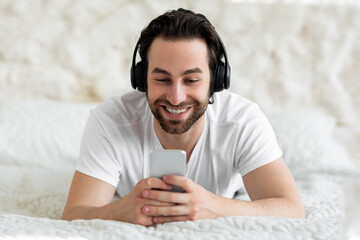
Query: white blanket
point(39, 144)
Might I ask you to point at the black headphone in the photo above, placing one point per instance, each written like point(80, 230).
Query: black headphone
point(221, 76)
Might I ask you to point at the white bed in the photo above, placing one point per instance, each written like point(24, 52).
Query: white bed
point(39, 144)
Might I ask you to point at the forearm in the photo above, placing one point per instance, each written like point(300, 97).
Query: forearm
point(87, 213)
point(277, 207)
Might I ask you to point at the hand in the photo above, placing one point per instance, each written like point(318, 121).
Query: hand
point(130, 207)
point(195, 203)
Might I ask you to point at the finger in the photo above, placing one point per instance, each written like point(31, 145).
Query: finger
point(145, 221)
point(158, 203)
point(165, 219)
point(166, 196)
point(186, 183)
point(151, 182)
point(176, 210)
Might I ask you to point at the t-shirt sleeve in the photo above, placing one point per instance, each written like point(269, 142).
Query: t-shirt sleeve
point(257, 142)
point(97, 156)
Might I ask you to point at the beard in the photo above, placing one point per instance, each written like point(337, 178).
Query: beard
point(178, 126)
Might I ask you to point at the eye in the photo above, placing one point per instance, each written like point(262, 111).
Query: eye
point(161, 79)
point(192, 80)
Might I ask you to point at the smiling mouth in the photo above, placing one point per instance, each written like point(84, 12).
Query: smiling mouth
point(175, 111)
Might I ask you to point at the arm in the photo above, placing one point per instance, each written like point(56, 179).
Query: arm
point(271, 188)
point(90, 198)
point(273, 192)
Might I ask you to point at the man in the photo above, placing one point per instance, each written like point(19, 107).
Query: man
point(229, 144)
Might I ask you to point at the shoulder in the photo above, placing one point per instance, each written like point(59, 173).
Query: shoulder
point(127, 109)
point(230, 108)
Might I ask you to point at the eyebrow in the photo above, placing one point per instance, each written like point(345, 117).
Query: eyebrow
point(189, 71)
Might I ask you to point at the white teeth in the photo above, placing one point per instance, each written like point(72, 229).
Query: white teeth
point(175, 111)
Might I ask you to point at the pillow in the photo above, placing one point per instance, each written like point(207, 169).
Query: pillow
point(306, 137)
point(47, 133)
point(41, 132)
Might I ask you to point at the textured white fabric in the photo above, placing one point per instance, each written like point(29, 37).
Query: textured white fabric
point(307, 137)
point(39, 143)
point(118, 138)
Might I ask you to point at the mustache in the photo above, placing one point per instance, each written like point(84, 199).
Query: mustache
point(182, 104)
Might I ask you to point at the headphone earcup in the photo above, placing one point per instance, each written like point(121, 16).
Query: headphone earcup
point(133, 77)
point(139, 76)
point(219, 77)
point(227, 76)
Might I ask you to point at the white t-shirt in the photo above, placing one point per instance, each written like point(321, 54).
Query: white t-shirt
point(119, 135)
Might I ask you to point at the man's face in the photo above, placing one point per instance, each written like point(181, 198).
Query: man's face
point(178, 81)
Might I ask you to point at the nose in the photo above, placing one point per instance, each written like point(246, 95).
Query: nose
point(176, 94)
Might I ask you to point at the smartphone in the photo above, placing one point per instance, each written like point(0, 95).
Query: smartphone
point(168, 162)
